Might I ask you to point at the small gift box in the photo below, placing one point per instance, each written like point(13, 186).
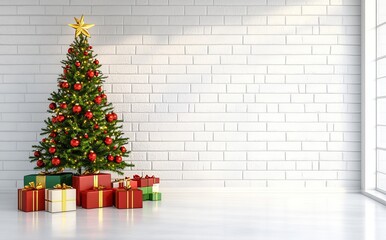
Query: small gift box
point(97, 198)
point(156, 187)
point(131, 183)
point(60, 199)
point(141, 182)
point(146, 197)
point(127, 198)
point(155, 196)
point(86, 182)
point(49, 180)
point(118, 183)
point(31, 198)
point(152, 180)
point(146, 190)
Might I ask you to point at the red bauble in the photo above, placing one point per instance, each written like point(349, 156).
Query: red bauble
point(86, 135)
point(53, 134)
point(69, 50)
point(68, 66)
point(105, 132)
point(96, 126)
point(55, 161)
point(115, 116)
point(52, 149)
point(103, 96)
point(90, 73)
point(96, 62)
point(109, 117)
point(39, 163)
point(37, 154)
point(115, 147)
point(43, 140)
point(98, 99)
point(64, 71)
point(74, 142)
point(77, 108)
point(110, 157)
point(108, 140)
point(85, 53)
point(77, 86)
point(123, 149)
point(52, 106)
point(63, 105)
point(99, 88)
point(77, 64)
point(54, 119)
point(118, 159)
point(96, 73)
point(89, 47)
point(92, 156)
point(88, 114)
point(60, 118)
point(64, 85)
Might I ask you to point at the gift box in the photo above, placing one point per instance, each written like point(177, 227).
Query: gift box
point(86, 182)
point(118, 183)
point(146, 190)
point(131, 183)
point(152, 180)
point(31, 198)
point(155, 196)
point(145, 181)
point(97, 198)
point(49, 180)
point(146, 197)
point(156, 187)
point(127, 198)
point(60, 199)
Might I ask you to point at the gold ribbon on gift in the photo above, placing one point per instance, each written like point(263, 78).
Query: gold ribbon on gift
point(64, 188)
point(129, 201)
point(96, 183)
point(41, 179)
point(100, 196)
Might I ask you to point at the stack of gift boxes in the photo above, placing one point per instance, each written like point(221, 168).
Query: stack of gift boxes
point(63, 192)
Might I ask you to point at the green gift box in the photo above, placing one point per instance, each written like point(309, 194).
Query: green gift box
point(155, 196)
point(146, 190)
point(49, 181)
point(146, 197)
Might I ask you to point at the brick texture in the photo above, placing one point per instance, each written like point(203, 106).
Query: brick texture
point(215, 93)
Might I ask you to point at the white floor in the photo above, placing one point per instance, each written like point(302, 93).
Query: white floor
point(222, 216)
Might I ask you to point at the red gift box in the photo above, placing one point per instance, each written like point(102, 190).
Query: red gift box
point(145, 181)
point(152, 180)
point(86, 182)
point(31, 198)
point(97, 198)
point(127, 198)
point(131, 183)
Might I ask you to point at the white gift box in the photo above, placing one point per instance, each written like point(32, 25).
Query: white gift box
point(156, 187)
point(60, 200)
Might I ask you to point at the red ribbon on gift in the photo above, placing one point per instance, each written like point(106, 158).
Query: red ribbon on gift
point(136, 177)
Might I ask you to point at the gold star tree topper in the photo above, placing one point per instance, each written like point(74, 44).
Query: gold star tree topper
point(81, 27)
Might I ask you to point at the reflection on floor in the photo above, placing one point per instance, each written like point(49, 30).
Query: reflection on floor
point(182, 216)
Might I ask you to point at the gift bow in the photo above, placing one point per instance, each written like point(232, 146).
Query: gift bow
point(63, 186)
point(136, 177)
point(100, 187)
point(31, 186)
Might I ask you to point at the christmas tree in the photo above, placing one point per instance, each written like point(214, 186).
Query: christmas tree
point(83, 132)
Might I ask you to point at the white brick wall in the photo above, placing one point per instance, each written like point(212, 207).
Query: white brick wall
point(218, 93)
